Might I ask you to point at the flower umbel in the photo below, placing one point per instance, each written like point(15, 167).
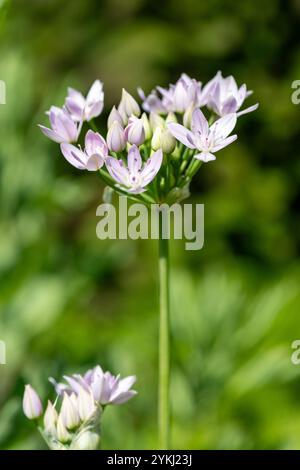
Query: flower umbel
point(103, 386)
point(152, 156)
point(73, 421)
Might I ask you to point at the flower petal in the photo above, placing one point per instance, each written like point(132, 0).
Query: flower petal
point(74, 155)
point(134, 160)
point(117, 170)
point(95, 144)
point(94, 163)
point(96, 93)
point(205, 157)
point(199, 122)
point(52, 134)
point(223, 126)
point(248, 110)
point(123, 397)
point(224, 143)
point(181, 133)
point(151, 167)
point(230, 105)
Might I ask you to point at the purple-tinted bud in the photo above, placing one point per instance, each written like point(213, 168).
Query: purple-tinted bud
point(129, 105)
point(135, 132)
point(116, 137)
point(32, 405)
point(114, 115)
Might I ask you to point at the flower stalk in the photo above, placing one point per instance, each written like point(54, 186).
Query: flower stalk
point(164, 341)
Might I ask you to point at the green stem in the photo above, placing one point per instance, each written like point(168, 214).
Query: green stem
point(164, 341)
point(94, 125)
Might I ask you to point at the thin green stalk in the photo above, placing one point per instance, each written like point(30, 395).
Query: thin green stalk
point(164, 341)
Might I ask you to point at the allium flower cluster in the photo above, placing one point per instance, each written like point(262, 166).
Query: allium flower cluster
point(73, 421)
point(152, 154)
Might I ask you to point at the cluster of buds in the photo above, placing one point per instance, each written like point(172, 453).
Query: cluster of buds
point(150, 154)
point(73, 421)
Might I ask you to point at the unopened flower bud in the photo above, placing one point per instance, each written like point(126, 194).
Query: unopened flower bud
point(163, 139)
point(121, 111)
point(114, 115)
point(116, 137)
point(32, 405)
point(171, 118)
point(168, 142)
point(61, 431)
point(86, 440)
point(134, 132)
point(128, 105)
point(156, 121)
point(69, 413)
point(147, 127)
point(187, 117)
point(178, 194)
point(50, 418)
point(156, 139)
point(86, 404)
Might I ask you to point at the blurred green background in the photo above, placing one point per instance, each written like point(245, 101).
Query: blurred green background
point(69, 300)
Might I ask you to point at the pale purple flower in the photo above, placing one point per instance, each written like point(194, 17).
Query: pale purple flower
point(207, 139)
point(63, 128)
point(135, 132)
point(177, 98)
point(116, 140)
point(223, 96)
point(85, 109)
point(93, 156)
point(103, 387)
point(136, 176)
point(32, 405)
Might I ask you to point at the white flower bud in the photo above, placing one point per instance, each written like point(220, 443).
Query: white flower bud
point(171, 118)
point(147, 127)
point(116, 137)
point(69, 413)
point(156, 139)
point(168, 142)
point(86, 404)
point(32, 405)
point(50, 418)
point(86, 440)
point(156, 121)
point(128, 105)
point(187, 117)
point(61, 431)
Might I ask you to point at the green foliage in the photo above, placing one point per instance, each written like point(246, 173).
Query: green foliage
point(69, 301)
